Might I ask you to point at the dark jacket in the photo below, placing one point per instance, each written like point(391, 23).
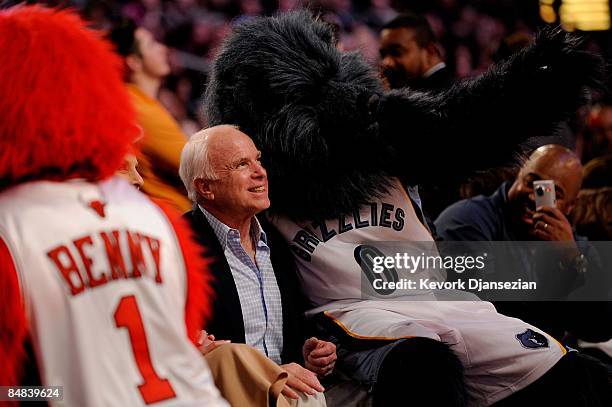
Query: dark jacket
point(226, 320)
point(440, 80)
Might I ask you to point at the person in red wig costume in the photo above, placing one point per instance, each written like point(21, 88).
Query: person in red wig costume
point(105, 287)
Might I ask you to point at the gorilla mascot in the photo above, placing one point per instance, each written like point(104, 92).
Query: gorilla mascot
point(341, 154)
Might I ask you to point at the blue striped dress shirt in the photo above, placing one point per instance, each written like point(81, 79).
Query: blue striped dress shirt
point(258, 291)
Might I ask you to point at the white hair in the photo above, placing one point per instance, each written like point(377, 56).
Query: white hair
point(195, 163)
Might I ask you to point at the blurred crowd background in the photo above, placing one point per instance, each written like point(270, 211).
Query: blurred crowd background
point(473, 33)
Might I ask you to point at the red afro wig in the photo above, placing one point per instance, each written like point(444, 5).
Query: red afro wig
point(64, 111)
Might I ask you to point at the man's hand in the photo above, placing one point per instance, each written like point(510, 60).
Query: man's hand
point(552, 225)
point(319, 356)
point(300, 379)
point(207, 343)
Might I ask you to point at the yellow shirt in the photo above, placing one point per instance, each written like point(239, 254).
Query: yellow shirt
point(160, 150)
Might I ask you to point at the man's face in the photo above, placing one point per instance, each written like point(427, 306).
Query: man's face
point(402, 58)
point(242, 185)
point(564, 170)
point(129, 171)
point(154, 55)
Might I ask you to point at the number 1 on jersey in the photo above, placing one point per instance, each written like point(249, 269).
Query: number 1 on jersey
point(154, 388)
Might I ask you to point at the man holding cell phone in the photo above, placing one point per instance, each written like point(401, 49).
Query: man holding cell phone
point(533, 207)
point(544, 193)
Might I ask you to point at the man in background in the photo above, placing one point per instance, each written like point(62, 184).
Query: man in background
point(597, 138)
point(510, 214)
point(146, 66)
point(411, 56)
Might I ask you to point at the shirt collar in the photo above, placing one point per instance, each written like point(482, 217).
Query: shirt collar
point(222, 231)
point(257, 232)
point(434, 69)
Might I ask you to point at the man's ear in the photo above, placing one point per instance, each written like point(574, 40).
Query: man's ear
point(203, 188)
point(133, 62)
point(433, 53)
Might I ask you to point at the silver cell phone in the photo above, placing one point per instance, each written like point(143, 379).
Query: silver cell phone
point(544, 191)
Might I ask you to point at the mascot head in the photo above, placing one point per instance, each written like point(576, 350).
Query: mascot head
point(284, 83)
point(64, 112)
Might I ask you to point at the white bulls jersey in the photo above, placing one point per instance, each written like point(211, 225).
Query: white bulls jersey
point(500, 354)
point(104, 288)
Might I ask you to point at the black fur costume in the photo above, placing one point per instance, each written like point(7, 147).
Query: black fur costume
point(331, 138)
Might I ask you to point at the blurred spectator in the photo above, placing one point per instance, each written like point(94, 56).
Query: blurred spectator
point(598, 173)
point(411, 55)
point(592, 215)
point(597, 140)
point(146, 64)
point(129, 171)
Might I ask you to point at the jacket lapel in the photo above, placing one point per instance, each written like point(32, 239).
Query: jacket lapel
point(227, 313)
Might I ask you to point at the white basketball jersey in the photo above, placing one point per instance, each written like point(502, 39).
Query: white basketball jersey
point(325, 251)
point(104, 286)
point(500, 354)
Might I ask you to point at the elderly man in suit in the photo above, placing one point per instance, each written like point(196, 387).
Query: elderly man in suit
point(255, 303)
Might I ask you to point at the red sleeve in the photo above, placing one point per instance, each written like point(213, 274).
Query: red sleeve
point(197, 306)
point(13, 325)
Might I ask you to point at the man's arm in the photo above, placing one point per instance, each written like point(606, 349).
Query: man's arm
point(570, 264)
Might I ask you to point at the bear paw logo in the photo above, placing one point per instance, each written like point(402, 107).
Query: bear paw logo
point(532, 340)
point(98, 206)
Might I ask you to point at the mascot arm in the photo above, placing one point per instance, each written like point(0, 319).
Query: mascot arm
point(13, 324)
point(479, 123)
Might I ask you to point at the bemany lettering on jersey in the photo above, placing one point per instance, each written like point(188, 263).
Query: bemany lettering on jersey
point(128, 254)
